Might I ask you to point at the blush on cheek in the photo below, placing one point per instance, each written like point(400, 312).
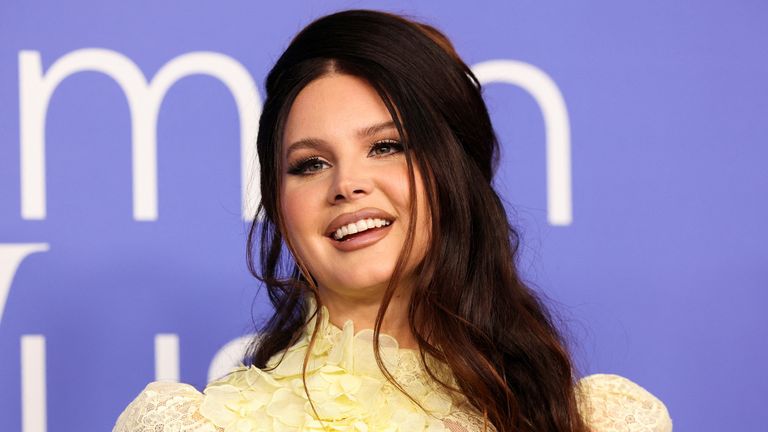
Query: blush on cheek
point(288, 215)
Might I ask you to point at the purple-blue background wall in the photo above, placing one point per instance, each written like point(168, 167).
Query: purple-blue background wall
point(662, 275)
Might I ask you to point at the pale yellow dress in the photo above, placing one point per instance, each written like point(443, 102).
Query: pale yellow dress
point(349, 393)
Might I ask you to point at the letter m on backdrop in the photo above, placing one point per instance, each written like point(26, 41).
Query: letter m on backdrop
point(144, 99)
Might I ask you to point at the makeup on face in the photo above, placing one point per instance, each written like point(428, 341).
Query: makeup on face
point(345, 193)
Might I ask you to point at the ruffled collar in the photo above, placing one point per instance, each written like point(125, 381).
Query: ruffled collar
point(347, 349)
point(348, 390)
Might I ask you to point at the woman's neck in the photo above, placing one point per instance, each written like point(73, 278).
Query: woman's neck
point(363, 311)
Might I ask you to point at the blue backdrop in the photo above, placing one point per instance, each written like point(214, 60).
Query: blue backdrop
point(634, 156)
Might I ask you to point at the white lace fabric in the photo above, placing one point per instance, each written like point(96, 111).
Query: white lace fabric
point(611, 403)
point(165, 406)
point(350, 393)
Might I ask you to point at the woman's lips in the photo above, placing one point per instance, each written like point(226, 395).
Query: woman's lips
point(356, 216)
point(361, 240)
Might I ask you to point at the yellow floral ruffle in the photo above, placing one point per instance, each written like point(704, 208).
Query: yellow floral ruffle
point(348, 390)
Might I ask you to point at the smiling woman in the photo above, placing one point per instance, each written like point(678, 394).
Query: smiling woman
point(334, 193)
point(400, 307)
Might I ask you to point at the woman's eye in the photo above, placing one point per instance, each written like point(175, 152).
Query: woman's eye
point(307, 166)
point(385, 147)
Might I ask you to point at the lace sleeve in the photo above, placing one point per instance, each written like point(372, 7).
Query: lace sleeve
point(165, 407)
point(464, 421)
point(611, 403)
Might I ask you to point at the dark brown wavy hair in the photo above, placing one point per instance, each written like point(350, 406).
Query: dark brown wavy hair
point(469, 307)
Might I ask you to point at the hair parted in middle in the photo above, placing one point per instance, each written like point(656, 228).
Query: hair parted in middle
point(469, 307)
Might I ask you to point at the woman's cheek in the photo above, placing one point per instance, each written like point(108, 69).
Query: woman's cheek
point(394, 180)
point(297, 210)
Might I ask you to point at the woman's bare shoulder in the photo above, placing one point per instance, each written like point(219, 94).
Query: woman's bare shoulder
point(165, 405)
point(612, 403)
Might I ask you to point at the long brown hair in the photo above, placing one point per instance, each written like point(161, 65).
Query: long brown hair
point(469, 307)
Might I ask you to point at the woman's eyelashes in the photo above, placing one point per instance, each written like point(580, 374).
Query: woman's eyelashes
point(314, 164)
point(306, 166)
point(390, 145)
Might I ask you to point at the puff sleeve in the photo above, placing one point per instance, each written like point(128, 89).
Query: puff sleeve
point(165, 407)
point(611, 403)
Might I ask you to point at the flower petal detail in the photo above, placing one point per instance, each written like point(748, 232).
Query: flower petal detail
point(343, 388)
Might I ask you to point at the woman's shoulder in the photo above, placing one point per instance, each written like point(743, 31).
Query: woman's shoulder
point(612, 403)
point(165, 405)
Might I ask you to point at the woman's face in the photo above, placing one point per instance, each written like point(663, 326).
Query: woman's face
point(345, 171)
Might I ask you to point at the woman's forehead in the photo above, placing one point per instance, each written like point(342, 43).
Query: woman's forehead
point(334, 107)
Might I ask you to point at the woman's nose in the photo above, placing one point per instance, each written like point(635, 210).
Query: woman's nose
point(349, 183)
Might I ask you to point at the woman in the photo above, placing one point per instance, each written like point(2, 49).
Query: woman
point(399, 306)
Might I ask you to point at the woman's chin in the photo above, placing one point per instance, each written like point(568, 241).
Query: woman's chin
point(357, 289)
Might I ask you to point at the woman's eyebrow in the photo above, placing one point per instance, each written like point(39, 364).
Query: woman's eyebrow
point(305, 143)
point(317, 143)
point(375, 128)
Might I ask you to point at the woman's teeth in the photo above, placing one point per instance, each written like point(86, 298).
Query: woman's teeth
point(359, 226)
